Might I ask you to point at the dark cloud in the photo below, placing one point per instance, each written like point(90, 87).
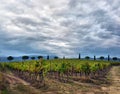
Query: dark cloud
point(64, 27)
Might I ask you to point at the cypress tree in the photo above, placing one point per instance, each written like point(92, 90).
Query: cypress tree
point(108, 57)
point(94, 57)
point(79, 56)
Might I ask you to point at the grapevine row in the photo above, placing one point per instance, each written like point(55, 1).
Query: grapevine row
point(63, 70)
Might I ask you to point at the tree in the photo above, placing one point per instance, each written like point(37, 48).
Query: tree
point(56, 57)
point(39, 57)
point(87, 57)
point(94, 57)
point(101, 58)
point(115, 58)
point(79, 56)
point(10, 58)
point(108, 57)
point(63, 57)
point(33, 58)
point(48, 57)
point(25, 57)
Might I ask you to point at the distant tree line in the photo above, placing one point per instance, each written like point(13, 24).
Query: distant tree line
point(101, 58)
point(10, 58)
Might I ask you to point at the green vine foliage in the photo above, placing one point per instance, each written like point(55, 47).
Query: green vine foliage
point(58, 65)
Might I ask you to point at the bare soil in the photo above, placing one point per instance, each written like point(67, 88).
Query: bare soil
point(114, 77)
point(108, 85)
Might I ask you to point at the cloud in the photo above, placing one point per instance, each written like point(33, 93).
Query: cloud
point(64, 27)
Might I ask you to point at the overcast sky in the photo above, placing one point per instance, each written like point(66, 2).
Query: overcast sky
point(60, 27)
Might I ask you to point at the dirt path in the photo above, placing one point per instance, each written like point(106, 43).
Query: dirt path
point(14, 80)
point(114, 76)
point(18, 86)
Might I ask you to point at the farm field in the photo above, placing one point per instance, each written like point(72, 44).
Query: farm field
point(68, 76)
point(59, 46)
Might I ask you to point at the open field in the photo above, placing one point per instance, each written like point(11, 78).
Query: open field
point(108, 83)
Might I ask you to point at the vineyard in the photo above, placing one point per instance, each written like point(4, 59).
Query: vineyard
point(63, 70)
